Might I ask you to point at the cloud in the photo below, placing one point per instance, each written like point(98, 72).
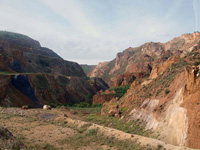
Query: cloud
point(73, 13)
point(79, 30)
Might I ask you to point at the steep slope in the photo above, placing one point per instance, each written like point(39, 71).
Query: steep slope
point(140, 60)
point(34, 75)
point(38, 89)
point(167, 102)
point(19, 53)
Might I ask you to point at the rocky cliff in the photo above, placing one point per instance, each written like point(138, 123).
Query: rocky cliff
point(140, 60)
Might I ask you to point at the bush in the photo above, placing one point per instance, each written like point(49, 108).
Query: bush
point(197, 63)
point(121, 90)
point(97, 105)
point(167, 91)
point(82, 105)
point(89, 99)
point(124, 109)
point(44, 63)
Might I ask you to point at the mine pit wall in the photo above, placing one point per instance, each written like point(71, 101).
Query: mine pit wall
point(191, 94)
point(172, 125)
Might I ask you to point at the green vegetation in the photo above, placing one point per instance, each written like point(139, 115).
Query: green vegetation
point(83, 105)
point(89, 99)
point(47, 146)
point(197, 63)
point(119, 91)
point(42, 82)
point(87, 68)
point(44, 63)
point(91, 138)
point(124, 110)
point(133, 127)
point(6, 73)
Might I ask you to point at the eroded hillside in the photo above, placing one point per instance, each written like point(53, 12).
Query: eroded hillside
point(139, 61)
point(166, 102)
point(33, 75)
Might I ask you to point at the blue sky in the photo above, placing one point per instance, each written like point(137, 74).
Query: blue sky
point(92, 31)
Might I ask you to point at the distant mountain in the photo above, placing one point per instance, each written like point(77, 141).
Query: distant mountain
point(87, 68)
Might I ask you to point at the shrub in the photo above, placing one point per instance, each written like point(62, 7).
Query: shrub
point(124, 109)
point(167, 91)
point(82, 105)
point(121, 90)
point(197, 63)
point(89, 99)
point(44, 63)
point(97, 105)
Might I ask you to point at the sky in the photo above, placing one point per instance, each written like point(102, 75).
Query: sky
point(93, 31)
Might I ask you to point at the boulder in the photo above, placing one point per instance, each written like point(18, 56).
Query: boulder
point(25, 107)
point(47, 107)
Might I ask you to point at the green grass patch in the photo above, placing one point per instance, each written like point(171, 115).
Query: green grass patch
point(133, 127)
point(119, 91)
point(124, 110)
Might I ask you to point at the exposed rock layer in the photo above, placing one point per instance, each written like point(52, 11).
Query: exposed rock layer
point(142, 59)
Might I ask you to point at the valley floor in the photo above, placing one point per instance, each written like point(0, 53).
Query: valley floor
point(76, 129)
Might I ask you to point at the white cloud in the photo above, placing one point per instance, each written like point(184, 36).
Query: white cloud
point(73, 13)
point(81, 37)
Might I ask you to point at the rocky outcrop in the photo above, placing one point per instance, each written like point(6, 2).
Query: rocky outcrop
point(102, 97)
point(192, 104)
point(124, 79)
point(158, 69)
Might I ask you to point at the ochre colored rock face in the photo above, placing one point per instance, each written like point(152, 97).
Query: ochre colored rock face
point(168, 102)
point(192, 104)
